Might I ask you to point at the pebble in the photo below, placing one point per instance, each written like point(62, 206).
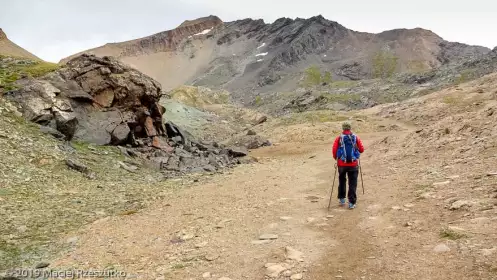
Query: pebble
point(268, 236)
point(206, 275)
point(441, 248)
point(42, 265)
point(211, 257)
point(260, 242)
point(72, 240)
point(285, 218)
point(459, 204)
point(187, 237)
point(409, 205)
point(441, 183)
point(396, 208)
point(201, 245)
point(297, 276)
point(287, 273)
point(330, 216)
point(488, 252)
point(310, 220)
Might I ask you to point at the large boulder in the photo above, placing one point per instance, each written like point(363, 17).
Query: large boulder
point(98, 100)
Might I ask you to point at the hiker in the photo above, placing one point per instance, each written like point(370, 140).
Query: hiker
point(346, 150)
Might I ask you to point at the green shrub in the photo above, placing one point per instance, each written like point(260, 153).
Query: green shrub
point(258, 100)
point(327, 77)
point(384, 65)
point(312, 76)
point(451, 234)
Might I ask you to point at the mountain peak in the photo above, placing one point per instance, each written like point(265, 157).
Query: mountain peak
point(214, 20)
point(2, 34)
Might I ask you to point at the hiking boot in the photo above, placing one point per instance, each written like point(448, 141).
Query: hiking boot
point(341, 201)
point(351, 205)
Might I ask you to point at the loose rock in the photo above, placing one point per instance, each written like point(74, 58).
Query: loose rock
point(441, 248)
point(297, 276)
point(293, 254)
point(268, 236)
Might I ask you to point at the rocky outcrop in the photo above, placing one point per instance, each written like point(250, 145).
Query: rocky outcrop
point(166, 41)
point(102, 101)
point(2, 35)
point(97, 100)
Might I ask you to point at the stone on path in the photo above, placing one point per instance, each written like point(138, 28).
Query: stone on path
point(441, 248)
point(211, 257)
point(206, 275)
point(260, 242)
point(293, 254)
point(459, 204)
point(268, 236)
point(201, 245)
point(441, 183)
point(285, 218)
point(396, 208)
point(287, 273)
point(276, 269)
point(297, 276)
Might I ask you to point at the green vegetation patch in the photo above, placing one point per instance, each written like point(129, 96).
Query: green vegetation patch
point(12, 69)
point(451, 234)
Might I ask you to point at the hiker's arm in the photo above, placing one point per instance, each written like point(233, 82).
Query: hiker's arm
point(335, 148)
point(360, 146)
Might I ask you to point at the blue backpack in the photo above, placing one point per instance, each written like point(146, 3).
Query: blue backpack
point(347, 149)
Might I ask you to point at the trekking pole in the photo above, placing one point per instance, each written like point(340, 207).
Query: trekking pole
point(332, 187)
point(362, 181)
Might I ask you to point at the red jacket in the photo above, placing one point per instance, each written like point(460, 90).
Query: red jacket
point(360, 147)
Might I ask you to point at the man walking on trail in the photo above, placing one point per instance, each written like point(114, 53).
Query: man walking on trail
point(346, 150)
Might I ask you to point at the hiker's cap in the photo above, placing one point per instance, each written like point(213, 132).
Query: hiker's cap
point(346, 126)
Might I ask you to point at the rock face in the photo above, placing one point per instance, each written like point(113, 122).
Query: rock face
point(96, 100)
point(165, 41)
point(102, 101)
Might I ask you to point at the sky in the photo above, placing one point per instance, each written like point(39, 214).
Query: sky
point(55, 29)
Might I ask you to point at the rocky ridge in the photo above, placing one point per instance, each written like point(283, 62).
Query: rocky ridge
point(250, 57)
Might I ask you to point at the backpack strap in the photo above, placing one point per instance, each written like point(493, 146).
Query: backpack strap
point(342, 144)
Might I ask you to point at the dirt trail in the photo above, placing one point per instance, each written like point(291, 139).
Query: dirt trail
point(212, 227)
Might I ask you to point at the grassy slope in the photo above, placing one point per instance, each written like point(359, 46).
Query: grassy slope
point(41, 199)
point(13, 68)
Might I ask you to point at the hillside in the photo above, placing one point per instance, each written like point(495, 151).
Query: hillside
point(248, 57)
point(428, 209)
point(9, 48)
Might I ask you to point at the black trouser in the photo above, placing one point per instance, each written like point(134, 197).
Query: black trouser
point(351, 173)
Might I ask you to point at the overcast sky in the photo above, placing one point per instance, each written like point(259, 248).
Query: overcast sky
point(54, 29)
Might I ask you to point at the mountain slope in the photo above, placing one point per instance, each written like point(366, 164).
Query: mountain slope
point(249, 56)
point(9, 48)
